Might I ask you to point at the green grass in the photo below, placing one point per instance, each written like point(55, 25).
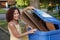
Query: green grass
point(2, 11)
point(3, 24)
point(56, 15)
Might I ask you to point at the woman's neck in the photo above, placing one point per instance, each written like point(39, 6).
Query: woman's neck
point(15, 21)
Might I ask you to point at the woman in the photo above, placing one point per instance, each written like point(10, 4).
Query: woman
point(12, 16)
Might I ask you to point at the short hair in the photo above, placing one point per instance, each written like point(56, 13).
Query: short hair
point(10, 13)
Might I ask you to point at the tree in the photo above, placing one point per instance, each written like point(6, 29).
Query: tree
point(34, 3)
point(26, 2)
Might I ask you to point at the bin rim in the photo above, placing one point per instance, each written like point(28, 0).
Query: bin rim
point(52, 19)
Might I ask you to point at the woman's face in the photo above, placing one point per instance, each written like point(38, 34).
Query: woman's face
point(16, 15)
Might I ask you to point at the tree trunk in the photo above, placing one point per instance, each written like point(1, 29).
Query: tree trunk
point(34, 3)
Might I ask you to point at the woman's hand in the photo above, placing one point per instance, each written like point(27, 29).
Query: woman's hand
point(32, 31)
point(28, 8)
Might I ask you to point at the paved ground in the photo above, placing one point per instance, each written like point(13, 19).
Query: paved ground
point(2, 16)
point(3, 35)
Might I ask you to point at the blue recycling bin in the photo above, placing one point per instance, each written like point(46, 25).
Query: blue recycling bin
point(48, 35)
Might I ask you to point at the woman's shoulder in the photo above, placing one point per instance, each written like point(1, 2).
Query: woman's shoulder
point(10, 24)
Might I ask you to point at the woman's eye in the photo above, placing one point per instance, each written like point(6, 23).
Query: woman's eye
point(17, 13)
point(14, 13)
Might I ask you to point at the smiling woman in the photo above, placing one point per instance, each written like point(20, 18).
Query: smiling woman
point(12, 17)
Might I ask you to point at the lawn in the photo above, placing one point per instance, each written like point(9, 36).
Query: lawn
point(2, 11)
point(3, 24)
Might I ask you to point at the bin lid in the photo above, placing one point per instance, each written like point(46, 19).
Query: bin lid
point(46, 17)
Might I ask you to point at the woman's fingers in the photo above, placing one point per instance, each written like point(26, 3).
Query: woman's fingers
point(33, 30)
point(30, 7)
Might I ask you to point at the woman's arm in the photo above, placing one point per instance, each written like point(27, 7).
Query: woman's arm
point(16, 33)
